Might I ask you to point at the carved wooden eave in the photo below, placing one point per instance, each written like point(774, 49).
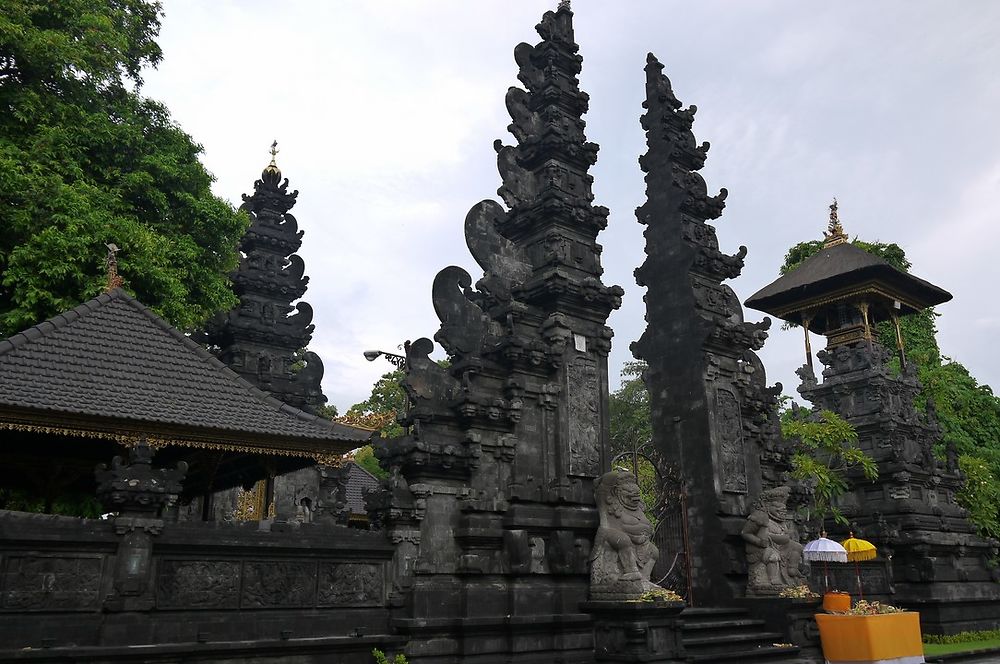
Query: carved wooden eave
point(841, 273)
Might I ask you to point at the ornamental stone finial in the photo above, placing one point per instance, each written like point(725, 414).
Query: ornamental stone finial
point(273, 166)
point(835, 232)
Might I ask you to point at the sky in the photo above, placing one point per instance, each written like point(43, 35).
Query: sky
point(386, 112)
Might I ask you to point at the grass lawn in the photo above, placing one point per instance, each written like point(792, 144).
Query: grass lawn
point(946, 648)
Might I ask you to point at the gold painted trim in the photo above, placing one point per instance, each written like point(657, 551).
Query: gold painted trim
point(156, 442)
point(839, 296)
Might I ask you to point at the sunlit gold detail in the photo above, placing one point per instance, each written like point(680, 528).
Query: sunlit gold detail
point(273, 166)
point(835, 232)
point(327, 459)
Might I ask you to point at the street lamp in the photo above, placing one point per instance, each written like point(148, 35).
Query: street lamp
point(397, 361)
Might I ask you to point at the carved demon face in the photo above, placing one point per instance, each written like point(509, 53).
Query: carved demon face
point(627, 493)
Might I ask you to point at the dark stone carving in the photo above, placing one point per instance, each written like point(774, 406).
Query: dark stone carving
point(584, 416)
point(910, 512)
point(66, 583)
point(351, 584)
point(135, 487)
point(278, 584)
point(734, 462)
point(263, 337)
point(624, 554)
point(712, 410)
point(201, 584)
point(774, 557)
point(504, 444)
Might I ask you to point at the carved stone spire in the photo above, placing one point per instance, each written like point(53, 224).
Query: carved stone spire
point(505, 443)
point(712, 412)
point(259, 340)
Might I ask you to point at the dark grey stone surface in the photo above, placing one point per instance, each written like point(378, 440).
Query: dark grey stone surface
point(491, 494)
point(262, 338)
point(189, 589)
point(939, 564)
point(713, 415)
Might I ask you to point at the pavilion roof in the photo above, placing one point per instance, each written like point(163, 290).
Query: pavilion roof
point(839, 271)
point(111, 368)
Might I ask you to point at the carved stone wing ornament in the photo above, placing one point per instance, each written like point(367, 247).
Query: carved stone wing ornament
point(463, 323)
point(504, 263)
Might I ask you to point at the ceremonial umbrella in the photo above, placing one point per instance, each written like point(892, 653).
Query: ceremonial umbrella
point(858, 550)
point(826, 550)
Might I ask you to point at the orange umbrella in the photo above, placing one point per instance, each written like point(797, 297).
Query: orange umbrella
point(858, 550)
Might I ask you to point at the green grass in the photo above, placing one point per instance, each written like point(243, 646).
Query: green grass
point(947, 648)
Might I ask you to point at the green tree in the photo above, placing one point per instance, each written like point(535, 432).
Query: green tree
point(86, 160)
point(629, 411)
point(378, 411)
point(824, 448)
point(365, 457)
point(968, 413)
point(387, 399)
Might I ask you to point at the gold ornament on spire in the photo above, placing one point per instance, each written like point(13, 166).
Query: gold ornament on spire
point(273, 166)
point(835, 232)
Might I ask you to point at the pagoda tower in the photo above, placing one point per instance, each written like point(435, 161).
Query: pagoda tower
point(713, 416)
point(492, 488)
point(930, 557)
point(258, 339)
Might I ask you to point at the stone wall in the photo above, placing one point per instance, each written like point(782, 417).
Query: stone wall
point(67, 582)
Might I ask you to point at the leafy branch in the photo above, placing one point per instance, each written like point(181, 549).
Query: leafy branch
point(825, 449)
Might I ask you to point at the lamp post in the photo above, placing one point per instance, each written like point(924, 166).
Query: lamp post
point(395, 360)
point(398, 361)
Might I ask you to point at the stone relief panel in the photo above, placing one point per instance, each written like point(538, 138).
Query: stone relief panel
point(351, 584)
point(197, 584)
point(278, 584)
point(732, 448)
point(35, 583)
point(584, 397)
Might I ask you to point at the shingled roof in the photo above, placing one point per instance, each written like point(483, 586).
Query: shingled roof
point(840, 269)
point(111, 368)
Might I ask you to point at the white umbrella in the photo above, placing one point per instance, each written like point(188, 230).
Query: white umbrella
point(827, 551)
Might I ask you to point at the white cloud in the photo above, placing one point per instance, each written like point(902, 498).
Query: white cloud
point(386, 113)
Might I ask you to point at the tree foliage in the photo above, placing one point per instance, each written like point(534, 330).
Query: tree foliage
point(388, 399)
point(629, 411)
point(969, 413)
point(86, 160)
point(379, 410)
point(824, 448)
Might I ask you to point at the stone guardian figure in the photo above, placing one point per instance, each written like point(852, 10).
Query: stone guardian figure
point(773, 554)
point(623, 553)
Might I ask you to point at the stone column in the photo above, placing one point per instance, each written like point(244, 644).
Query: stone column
point(139, 495)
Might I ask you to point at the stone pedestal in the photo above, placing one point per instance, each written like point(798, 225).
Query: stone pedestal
point(636, 631)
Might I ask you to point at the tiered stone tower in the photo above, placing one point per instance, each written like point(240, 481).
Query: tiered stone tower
point(492, 489)
point(930, 557)
point(713, 416)
point(258, 339)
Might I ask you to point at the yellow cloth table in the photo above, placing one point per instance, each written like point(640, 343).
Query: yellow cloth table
point(891, 638)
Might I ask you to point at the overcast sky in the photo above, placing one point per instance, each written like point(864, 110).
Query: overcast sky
point(385, 113)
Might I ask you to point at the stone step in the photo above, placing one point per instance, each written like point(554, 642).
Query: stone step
point(762, 654)
point(734, 625)
point(699, 614)
point(727, 643)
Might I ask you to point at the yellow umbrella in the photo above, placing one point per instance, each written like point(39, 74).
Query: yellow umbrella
point(858, 550)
